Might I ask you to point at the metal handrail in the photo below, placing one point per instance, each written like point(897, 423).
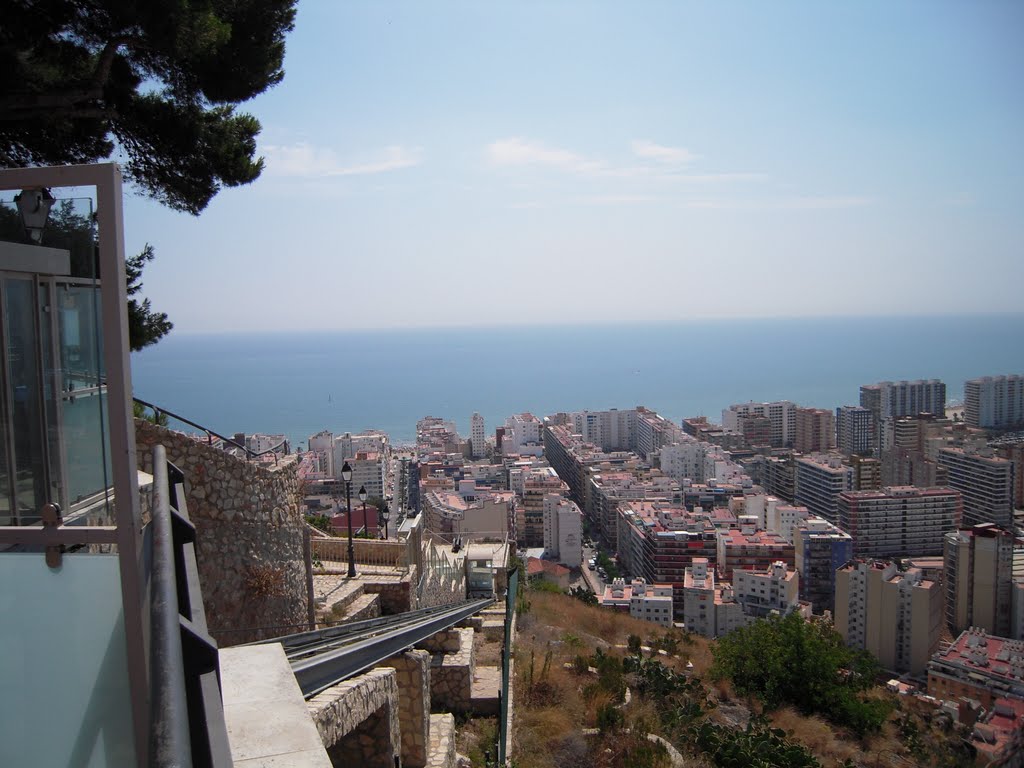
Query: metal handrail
point(187, 724)
point(210, 434)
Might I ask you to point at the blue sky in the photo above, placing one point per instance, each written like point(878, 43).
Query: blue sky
point(440, 164)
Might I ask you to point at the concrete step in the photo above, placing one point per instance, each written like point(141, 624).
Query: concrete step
point(442, 741)
point(486, 691)
point(493, 630)
point(335, 593)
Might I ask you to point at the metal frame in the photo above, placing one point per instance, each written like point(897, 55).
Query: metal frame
point(105, 178)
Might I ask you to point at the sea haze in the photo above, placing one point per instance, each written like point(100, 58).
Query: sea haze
point(299, 384)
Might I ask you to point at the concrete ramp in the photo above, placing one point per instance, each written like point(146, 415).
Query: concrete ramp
point(268, 720)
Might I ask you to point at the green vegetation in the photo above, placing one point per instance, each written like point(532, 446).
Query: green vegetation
point(806, 664)
point(608, 564)
point(584, 595)
point(321, 523)
point(757, 747)
point(155, 81)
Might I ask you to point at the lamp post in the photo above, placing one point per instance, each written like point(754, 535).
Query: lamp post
point(346, 475)
point(386, 514)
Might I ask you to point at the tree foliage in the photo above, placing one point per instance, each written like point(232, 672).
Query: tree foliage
point(158, 80)
point(145, 326)
point(791, 661)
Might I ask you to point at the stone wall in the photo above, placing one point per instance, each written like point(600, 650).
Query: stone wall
point(358, 719)
point(249, 536)
point(413, 670)
point(451, 676)
point(395, 597)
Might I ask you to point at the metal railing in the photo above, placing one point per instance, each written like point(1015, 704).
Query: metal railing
point(158, 412)
point(187, 725)
point(368, 552)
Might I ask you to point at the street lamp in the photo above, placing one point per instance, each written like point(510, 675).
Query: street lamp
point(346, 475)
point(362, 498)
point(386, 514)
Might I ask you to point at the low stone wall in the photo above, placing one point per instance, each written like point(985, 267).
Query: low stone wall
point(395, 597)
point(249, 536)
point(358, 719)
point(413, 670)
point(445, 641)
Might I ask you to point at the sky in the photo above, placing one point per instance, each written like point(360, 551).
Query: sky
point(474, 164)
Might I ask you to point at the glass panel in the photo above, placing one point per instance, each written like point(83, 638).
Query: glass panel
point(26, 402)
point(61, 702)
point(5, 475)
point(83, 393)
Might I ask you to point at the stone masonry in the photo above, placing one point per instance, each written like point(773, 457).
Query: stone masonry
point(413, 670)
point(451, 675)
point(249, 544)
point(358, 719)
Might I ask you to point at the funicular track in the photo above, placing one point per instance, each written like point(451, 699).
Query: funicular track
point(324, 657)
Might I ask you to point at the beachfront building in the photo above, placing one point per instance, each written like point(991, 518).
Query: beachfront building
point(891, 399)
point(895, 615)
point(818, 482)
point(994, 402)
point(781, 417)
point(477, 441)
point(901, 521)
point(986, 482)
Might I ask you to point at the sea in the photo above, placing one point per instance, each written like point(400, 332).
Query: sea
point(298, 384)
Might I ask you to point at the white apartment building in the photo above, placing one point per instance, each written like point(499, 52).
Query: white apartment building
point(563, 530)
point(819, 481)
point(709, 610)
point(648, 602)
point(761, 593)
point(690, 459)
point(892, 399)
point(522, 436)
point(611, 430)
point(322, 444)
point(346, 446)
point(367, 472)
point(994, 402)
point(784, 519)
point(477, 441)
point(781, 414)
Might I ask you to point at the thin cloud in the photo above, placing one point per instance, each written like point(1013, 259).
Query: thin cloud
point(676, 156)
point(308, 161)
point(517, 151)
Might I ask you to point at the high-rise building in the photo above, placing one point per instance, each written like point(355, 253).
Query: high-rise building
point(855, 429)
point(821, 549)
point(867, 473)
point(896, 616)
point(994, 402)
point(563, 530)
point(781, 414)
point(815, 430)
point(819, 481)
point(538, 484)
point(477, 441)
point(986, 482)
point(899, 522)
point(978, 575)
point(904, 398)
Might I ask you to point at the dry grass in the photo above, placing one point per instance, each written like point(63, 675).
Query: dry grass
point(816, 734)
